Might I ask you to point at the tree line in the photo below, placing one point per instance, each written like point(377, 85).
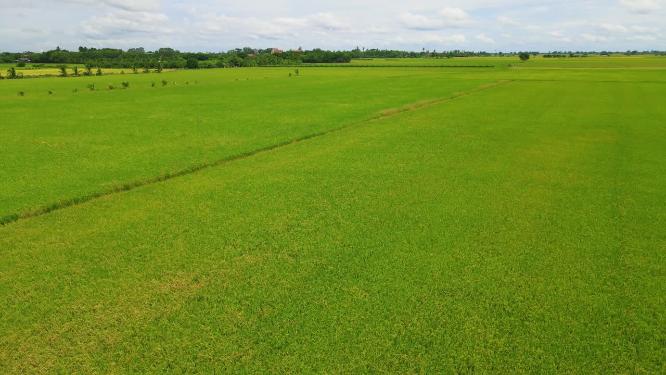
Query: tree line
point(169, 58)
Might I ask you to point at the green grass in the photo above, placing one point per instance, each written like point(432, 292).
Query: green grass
point(56, 144)
point(515, 228)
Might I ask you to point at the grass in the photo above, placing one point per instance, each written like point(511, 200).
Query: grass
point(514, 228)
point(229, 112)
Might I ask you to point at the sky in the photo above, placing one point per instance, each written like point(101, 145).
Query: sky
point(220, 25)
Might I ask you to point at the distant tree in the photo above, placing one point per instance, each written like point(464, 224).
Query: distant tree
point(76, 71)
point(524, 56)
point(21, 64)
point(63, 70)
point(88, 71)
point(11, 73)
point(99, 72)
point(134, 70)
point(192, 63)
point(159, 67)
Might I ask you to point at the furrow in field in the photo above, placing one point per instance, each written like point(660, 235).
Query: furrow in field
point(387, 113)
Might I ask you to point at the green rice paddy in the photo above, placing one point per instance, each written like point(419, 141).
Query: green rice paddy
point(391, 219)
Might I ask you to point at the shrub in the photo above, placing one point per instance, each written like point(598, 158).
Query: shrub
point(21, 93)
point(298, 72)
point(76, 71)
point(75, 91)
point(99, 72)
point(164, 83)
point(21, 64)
point(125, 84)
point(63, 70)
point(524, 56)
point(11, 73)
point(88, 71)
point(152, 84)
point(91, 87)
point(111, 87)
point(50, 92)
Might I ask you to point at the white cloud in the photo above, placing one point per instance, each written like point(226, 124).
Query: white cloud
point(125, 23)
point(483, 38)
point(445, 18)
point(642, 6)
point(594, 38)
point(215, 25)
point(613, 28)
point(507, 21)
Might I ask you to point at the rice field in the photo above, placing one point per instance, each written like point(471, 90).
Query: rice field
point(396, 219)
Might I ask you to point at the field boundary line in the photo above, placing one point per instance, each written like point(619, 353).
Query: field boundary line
point(384, 114)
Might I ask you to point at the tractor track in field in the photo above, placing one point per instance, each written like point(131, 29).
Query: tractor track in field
point(384, 114)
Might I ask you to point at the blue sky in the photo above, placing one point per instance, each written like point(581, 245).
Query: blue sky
point(216, 25)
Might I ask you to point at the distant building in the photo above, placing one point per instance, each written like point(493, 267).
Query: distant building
point(276, 51)
point(23, 60)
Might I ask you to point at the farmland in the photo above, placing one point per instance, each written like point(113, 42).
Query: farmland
point(400, 218)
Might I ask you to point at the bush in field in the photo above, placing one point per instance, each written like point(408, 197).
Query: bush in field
point(63, 70)
point(111, 87)
point(164, 83)
point(91, 87)
point(152, 84)
point(13, 74)
point(21, 93)
point(75, 91)
point(125, 84)
point(99, 72)
point(88, 71)
point(524, 56)
point(76, 71)
point(298, 72)
point(50, 92)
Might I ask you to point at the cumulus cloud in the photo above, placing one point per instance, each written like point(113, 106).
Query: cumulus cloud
point(215, 25)
point(445, 18)
point(124, 23)
point(483, 38)
point(642, 6)
point(271, 29)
